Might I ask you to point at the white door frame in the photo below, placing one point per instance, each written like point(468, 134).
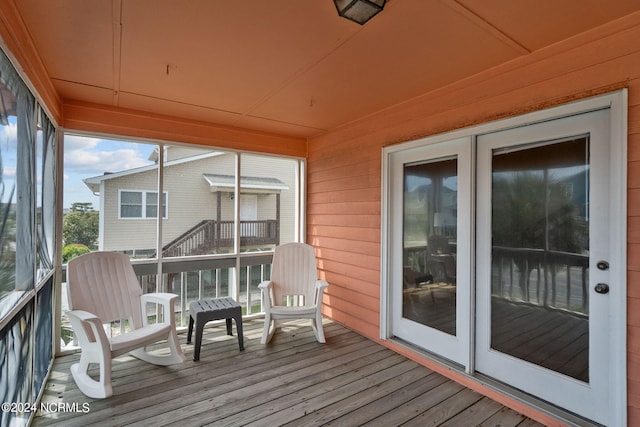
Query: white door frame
point(453, 347)
point(617, 102)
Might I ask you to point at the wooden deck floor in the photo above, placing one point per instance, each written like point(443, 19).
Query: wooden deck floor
point(293, 381)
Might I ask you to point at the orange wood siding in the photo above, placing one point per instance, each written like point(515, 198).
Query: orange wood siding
point(633, 249)
point(343, 223)
point(132, 123)
point(22, 53)
point(344, 187)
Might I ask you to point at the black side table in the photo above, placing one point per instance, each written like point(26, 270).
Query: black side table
point(206, 310)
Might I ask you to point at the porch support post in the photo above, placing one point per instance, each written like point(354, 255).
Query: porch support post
point(277, 219)
point(217, 236)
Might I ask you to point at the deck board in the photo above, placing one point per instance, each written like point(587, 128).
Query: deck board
point(293, 381)
point(482, 409)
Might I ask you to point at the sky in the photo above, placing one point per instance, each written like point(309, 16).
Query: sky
point(8, 152)
point(86, 157)
point(8, 156)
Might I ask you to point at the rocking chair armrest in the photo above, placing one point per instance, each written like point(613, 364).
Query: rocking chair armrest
point(267, 284)
point(90, 325)
point(163, 298)
point(321, 284)
point(266, 287)
point(85, 316)
point(158, 297)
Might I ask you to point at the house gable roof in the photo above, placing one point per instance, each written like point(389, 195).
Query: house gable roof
point(94, 182)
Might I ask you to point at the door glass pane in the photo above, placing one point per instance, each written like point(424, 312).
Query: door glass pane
point(429, 249)
point(540, 254)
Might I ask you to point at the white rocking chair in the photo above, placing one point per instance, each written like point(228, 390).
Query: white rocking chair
point(104, 288)
point(294, 291)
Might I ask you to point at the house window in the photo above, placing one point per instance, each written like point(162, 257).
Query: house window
point(141, 204)
point(151, 205)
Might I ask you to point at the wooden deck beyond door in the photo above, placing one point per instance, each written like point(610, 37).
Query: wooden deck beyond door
point(294, 381)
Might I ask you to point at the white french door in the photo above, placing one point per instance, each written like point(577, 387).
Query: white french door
point(543, 261)
point(505, 254)
point(431, 187)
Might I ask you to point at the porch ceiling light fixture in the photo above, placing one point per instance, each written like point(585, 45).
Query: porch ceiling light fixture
point(359, 11)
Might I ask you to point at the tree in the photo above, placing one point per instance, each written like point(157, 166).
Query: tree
point(81, 225)
point(534, 213)
point(73, 250)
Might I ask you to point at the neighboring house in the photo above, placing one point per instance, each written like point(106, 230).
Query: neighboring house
point(203, 180)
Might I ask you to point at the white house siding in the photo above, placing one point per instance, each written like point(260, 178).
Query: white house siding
point(190, 199)
point(131, 233)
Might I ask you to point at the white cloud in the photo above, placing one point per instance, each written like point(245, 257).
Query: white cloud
point(8, 135)
point(92, 156)
point(74, 142)
point(9, 172)
point(88, 157)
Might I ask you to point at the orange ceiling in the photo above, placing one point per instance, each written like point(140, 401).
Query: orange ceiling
point(287, 66)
